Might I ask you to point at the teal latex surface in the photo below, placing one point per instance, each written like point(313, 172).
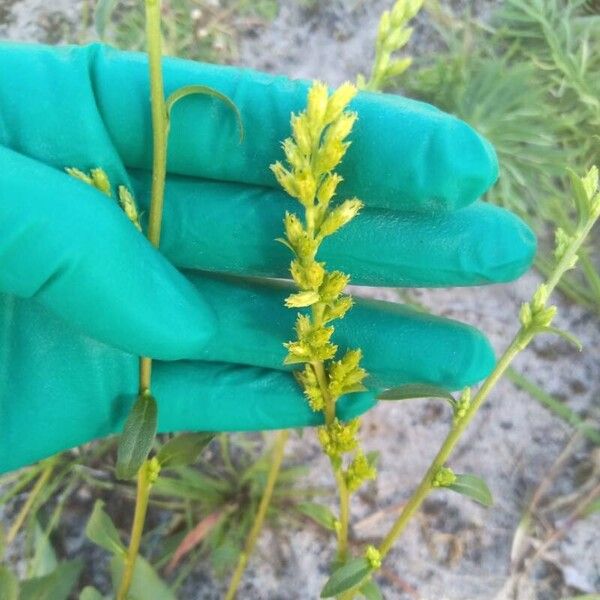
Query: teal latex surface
point(83, 294)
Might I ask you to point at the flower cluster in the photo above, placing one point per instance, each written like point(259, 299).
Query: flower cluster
point(318, 144)
point(98, 179)
point(393, 34)
point(443, 477)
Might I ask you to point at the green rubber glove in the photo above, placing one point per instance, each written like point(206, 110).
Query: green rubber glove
point(83, 294)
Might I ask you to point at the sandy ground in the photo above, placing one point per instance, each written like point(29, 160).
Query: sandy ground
point(455, 550)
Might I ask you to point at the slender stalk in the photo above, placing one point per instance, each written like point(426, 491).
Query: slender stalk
point(141, 507)
point(159, 170)
point(265, 501)
point(33, 495)
point(519, 343)
point(159, 146)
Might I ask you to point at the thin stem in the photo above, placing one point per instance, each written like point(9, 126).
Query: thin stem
point(519, 343)
point(265, 501)
point(450, 442)
point(33, 495)
point(159, 146)
point(342, 533)
point(139, 517)
point(159, 169)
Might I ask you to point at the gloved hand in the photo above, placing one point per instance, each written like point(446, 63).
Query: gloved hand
point(83, 294)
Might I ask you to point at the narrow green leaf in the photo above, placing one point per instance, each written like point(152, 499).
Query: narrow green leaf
point(137, 437)
point(204, 90)
point(101, 530)
point(416, 390)
point(102, 13)
point(183, 449)
point(348, 576)
point(318, 513)
point(566, 335)
point(90, 593)
point(9, 584)
point(146, 584)
point(44, 559)
point(371, 591)
point(55, 586)
point(473, 487)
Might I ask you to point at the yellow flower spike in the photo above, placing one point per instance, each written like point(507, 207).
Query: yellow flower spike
point(100, 181)
point(129, 206)
point(302, 299)
point(285, 179)
point(317, 105)
point(293, 155)
point(373, 557)
point(330, 155)
point(77, 174)
point(340, 129)
point(340, 216)
point(339, 100)
point(301, 133)
point(327, 188)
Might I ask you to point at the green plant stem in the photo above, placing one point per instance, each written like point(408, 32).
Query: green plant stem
point(159, 146)
point(265, 501)
point(159, 171)
point(139, 517)
point(518, 344)
point(32, 497)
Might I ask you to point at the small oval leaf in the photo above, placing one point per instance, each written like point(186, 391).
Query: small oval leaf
point(474, 487)
point(184, 449)
point(318, 513)
point(137, 437)
point(101, 530)
point(346, 577)
point(416, 390)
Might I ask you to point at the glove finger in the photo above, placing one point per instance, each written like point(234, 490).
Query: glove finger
point(231, 228)
point(404, 154)
point(71, 248)
point(65, 389)
point(399, 343)
point(223, 397)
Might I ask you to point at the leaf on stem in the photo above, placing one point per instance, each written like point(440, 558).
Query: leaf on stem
point(184, 449)
point(90, 593)
point(146, 584)
point(346, 577)
point(411, 391)
point(55, 586)
point(371, 591)
point(101, 530)
point(319, 514)
point(474, 487)
point(565, 335)
point(203, 90)
point(137, 437)
point(9, 584)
